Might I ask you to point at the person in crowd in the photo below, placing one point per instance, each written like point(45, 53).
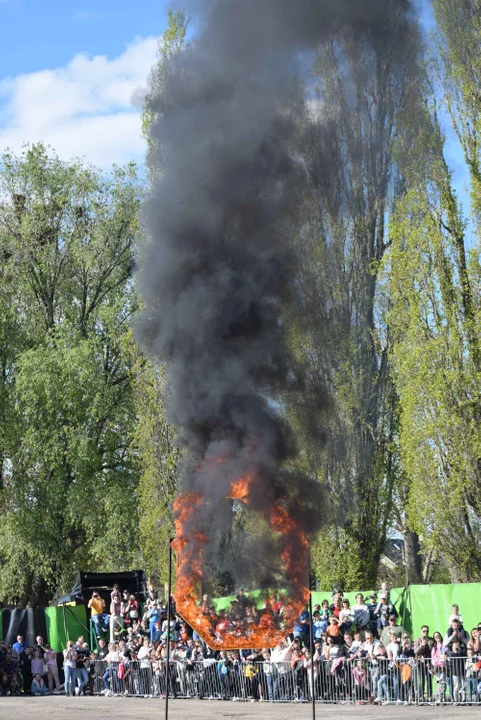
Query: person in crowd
point(333, 630)
point(392, 627)
point(37, 663)
point(362, 616)
point(371, 605)
point(383, 674)
point(457, 669)
point(38, 686)
point(384, 611)
point(455, 615)
point(456, 633)
point(336, 605)
point(115, 611)
point(9, 673)
point(423, 647)
point(153, 616)
point(132, 610)
point(69, 667)
point(271, 674)
point(39, 645)
point(110, 676)
point(25, 669)
point(100, 618)
point(474, 642)
point(361, 682)
point(81, 670)
point(302, 626)
point(346, 616)
point(20, 645)
point(471, 675)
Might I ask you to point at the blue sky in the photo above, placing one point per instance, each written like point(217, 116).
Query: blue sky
point(69, 72)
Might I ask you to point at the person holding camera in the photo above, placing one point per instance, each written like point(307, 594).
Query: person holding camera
point(99, 618)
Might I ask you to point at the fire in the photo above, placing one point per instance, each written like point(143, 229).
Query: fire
point(247, 626)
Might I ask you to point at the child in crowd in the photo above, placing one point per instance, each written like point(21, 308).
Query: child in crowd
point(361, 682)
point(455, 615)
point(38, 686)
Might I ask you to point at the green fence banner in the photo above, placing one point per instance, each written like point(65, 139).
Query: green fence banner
point(416, 604)
point(65, 623)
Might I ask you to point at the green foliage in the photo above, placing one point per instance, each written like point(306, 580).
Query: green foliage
point(171, 44)
point(69, 473)
point(339, 334)
point(435, 320)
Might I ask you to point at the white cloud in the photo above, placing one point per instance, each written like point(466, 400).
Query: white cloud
point(84, 108)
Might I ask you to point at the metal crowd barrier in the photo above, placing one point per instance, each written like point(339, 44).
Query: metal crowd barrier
point(408, 682)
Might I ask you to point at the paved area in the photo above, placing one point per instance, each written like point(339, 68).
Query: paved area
point(88, 708)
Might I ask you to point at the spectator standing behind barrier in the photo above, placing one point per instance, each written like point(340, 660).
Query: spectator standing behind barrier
point(456, 633)
point(391, 628)
point(81, 672)
point(115, 611)
point(457, 669)
point(50, 659)
point(99, 618)
point(362, 616)
point(423, 651)
point(302, 626)
point(69, 667)
point(383, 611)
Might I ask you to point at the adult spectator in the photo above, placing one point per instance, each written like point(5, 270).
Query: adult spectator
point(115, 611)
point(81, 672)
point(69, 667)
point(391, 628)
point(50, 659)
point(10, 675)
point(361, 612)
point(474, 643)
point(302, 626)
point(37, 663)
point(20, 646)
point(456, 633)
point(25, 667)
point(318, 625)
point(39, 645)
point(99, 618)
point(371, 605)
point(423, 647)
point(110, 676)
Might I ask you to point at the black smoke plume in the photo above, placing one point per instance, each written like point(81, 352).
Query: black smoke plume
point(219, 268)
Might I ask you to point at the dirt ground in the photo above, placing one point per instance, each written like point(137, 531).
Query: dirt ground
point(84, 708)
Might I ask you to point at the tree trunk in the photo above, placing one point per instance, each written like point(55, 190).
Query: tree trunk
point(412, 557)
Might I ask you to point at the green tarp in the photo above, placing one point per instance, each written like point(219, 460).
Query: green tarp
point(417, 604)
point(65, 624)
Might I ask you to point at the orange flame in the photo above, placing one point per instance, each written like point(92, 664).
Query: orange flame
point(215, 630)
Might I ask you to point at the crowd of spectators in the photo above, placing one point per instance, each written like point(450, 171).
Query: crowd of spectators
point(360, 653)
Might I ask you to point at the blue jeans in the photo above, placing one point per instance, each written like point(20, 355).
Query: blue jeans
point(471, 689)
point(81, 677)
point(383, 687)
point(41, 691)
point(101, 622)
point(69, 679)
point(272, 687)
point(110, 678)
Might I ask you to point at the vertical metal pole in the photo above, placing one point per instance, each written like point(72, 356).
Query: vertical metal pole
point(311, 643)
point(167, 669)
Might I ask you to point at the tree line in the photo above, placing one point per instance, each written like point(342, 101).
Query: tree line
point(388, 321)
